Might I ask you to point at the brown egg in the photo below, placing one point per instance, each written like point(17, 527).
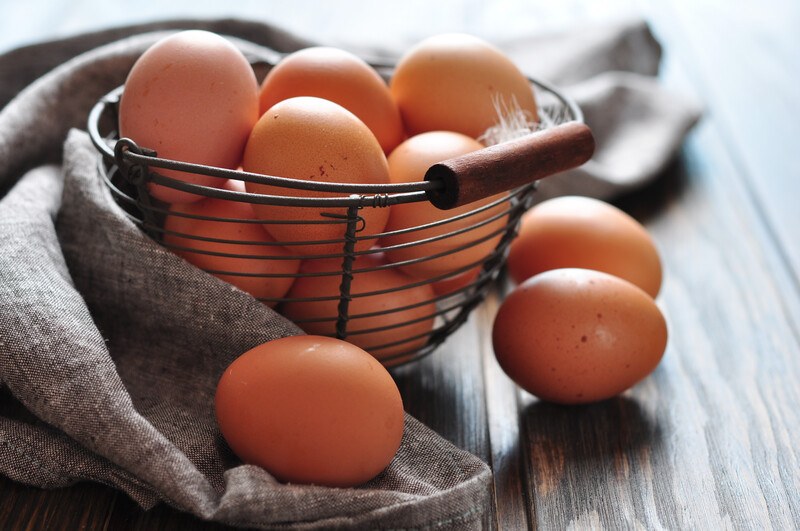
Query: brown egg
point(312, 410)
point(408, 163)
point(405, 325)
point(587, 233)
point(271, 263)
point(575, 336)
point(341, 77)
point(313, 139)
point(192, 97)
point(453, 81)
point(457, 282)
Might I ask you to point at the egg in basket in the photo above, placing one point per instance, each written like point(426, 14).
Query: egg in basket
point(373, 212)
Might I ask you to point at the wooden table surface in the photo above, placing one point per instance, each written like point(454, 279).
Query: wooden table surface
point(710, 439)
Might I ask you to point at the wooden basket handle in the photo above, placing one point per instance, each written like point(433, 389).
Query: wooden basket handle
point(506, 166)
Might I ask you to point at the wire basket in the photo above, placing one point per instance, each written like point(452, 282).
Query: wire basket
point(426, 309)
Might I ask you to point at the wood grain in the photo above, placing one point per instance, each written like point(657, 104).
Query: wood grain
point(88, 506)
point(705, 442)
point(514, 508)
point(745, 63)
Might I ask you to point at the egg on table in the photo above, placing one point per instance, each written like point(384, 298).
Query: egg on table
point(573, 231)
point(191, 97)
point(575, 336)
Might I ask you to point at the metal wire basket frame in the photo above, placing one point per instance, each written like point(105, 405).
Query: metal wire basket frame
point(127, 168)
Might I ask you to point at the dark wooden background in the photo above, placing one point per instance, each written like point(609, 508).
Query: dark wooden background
point(709, 441)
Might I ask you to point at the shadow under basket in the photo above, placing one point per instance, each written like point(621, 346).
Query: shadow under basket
point(395, 328)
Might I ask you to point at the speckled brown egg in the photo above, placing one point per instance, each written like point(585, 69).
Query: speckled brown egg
point(575, 336)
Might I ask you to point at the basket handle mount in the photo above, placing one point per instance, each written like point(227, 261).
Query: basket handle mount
point(495, 169)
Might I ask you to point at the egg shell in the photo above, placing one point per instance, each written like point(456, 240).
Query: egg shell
point(339, 76)
point(311, 410)
point(258, 256)
point(575, 336)
point(408, 163)
point(453, 81)
point(587, 233)
point(308, 138)
point(402, 324)
point(192, 97)
point(457, 282)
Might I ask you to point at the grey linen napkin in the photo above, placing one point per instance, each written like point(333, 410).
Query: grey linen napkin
point(111, 347)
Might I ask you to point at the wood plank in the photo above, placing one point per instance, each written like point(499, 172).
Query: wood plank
point(705, 442)
point(85, 506)
point(513, 504)
point(446, 391)
point(745, 64)
point(128, 516)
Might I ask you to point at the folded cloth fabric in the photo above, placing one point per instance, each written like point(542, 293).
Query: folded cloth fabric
point(111, 346)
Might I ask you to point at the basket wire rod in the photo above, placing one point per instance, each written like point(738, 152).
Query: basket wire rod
point(477, 282)
point(347, 271)
point(136, 174)
point(436, 299)
point(571, 110)
point(433, 335)
point(452, 219)
point(150, 159)
point(382, 199)
point(231, 242)
point(480, 286)
point(336, 219)
point(383, 346)
point(195, 250)
point(407, 356)
point(452, 234)
point(491, 263)
point(512, 212)
point(136, 221)
point(195, 237)
point(133, 155)
point(351, 333)
point(250, 221)
point(116, 192)
point(420, 282)
point(107, 103)
point(456, 249)
point(436, 313)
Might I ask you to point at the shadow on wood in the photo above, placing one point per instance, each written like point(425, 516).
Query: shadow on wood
point(584, 462)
